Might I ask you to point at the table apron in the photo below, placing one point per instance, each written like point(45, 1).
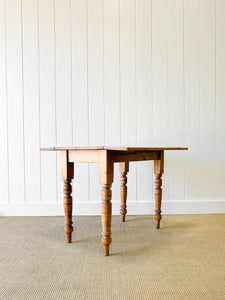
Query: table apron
point(94, 156)
point(137, 156)
point(84, 156)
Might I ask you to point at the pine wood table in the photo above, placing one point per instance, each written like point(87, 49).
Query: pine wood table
point(106, 157)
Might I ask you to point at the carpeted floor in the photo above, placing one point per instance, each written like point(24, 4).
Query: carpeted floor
point(185, 259)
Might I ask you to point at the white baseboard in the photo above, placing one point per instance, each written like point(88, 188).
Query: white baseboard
point(94, 208)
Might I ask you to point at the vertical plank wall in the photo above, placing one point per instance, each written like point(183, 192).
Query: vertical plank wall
point(112, 72)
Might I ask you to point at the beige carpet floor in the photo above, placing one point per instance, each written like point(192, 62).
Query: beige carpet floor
point(185, 259)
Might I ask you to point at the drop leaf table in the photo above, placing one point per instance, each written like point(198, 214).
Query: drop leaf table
point(106, 157)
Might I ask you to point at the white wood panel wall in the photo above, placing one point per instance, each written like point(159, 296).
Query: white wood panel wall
point(112, 72)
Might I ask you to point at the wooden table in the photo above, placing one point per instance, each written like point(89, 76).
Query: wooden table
point(106, 157)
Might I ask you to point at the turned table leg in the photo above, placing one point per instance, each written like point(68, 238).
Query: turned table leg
point(158, 170)
point(124, 168)
point(106, 179)
point(67, 176)
point(106, 217)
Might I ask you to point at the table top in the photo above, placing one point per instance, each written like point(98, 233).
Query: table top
point(115, 148)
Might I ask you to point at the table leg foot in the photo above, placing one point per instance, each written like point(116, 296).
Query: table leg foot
point(69, 237)
point(157, 224)
point(106, 250)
